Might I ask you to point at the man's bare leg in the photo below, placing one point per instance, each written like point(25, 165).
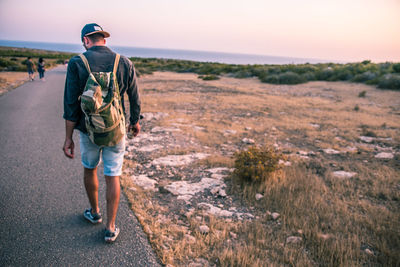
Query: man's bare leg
point(112, 196)
point(92, 188)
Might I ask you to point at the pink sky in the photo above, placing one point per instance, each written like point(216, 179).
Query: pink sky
point(330, 29)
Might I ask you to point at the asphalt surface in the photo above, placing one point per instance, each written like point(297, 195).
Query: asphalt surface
point(42, 197)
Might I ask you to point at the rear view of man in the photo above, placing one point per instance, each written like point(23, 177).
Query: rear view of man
point(99, 59)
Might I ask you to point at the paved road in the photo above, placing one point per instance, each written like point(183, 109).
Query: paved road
point(41, 191)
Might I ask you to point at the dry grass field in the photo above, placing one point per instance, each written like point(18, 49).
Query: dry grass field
point(11, 79)
point(334, 200)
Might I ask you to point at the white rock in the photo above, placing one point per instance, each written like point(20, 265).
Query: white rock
point(156, 116)
point(331, 151)
point(369, 252)
point(145, 182)
point(285, 163)
point(343, 174)
point(293, 239)
point(367, 139)
point(222, 193)
point(210, 209)
point(248, 128)
point(303, 153)
point(158, 129)
point(204, 229)
point(230, 132)
point(248, 141)
point(233, 235)
point(214, 190)
point(384, 155)
point(190, 239)
point(275, 215)
point(259, 196)
point(181, 188)
point(149, 148)
point(314, 125)
point(179, 160)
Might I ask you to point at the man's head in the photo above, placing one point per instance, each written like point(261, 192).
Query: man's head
point(92, 34)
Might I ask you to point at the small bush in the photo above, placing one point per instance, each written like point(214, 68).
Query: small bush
point(362, 94)
point(356, 108)
point(309, 76)
point(256, 164)
point(390, 81)
point(209, 77)
point(363, 77)
point(270, 79)
point(291, 78)
point(396, 67)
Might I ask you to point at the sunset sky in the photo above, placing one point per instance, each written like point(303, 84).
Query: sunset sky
point(327, 29)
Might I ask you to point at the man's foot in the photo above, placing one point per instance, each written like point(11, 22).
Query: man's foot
point(93, 218)
point(109, 236)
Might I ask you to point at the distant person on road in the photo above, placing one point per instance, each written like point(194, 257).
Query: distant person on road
point(99, 59)
point(31, 69)
point(41, 68)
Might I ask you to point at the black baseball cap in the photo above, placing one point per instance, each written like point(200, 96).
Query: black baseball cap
point(93, 28)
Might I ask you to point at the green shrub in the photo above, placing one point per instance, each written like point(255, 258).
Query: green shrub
point(309, 76)
point(362, 94)
point(363, 77)
point(390, 81)
point(242, 74)
point(356, 108)
point(256, 164)
point(325, 74)
point(291, 78)
point(209, 77)
point(274, 79)
point(396, 67)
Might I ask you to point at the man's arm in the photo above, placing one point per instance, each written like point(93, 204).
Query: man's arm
point(69, 145)
point(134, 102)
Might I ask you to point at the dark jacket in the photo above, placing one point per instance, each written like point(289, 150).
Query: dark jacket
point(100, 58)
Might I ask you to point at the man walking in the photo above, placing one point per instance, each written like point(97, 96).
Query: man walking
point(31, 69)
point(99, 58)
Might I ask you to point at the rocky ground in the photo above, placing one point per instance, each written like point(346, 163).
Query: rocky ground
point(181, 168)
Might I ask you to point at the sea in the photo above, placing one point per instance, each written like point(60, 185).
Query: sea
point(201, 56)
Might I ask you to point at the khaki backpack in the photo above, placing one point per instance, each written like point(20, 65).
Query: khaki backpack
point(101, 104)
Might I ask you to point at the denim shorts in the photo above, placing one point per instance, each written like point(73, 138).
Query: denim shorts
point(113, 157)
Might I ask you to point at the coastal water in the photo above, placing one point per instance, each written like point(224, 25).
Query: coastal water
point(204, 56)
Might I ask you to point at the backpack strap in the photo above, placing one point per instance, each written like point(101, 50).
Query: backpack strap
point(116, 64)
point(85, 62)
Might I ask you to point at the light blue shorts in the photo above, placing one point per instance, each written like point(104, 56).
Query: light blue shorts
point(113, 157)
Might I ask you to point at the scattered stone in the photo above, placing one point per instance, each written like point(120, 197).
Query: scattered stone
point(156, 116)
point(275, 215)
point(384, 155)
point(343, 174)
point(210, 209)
point(158, 129)
point(314, 125)
point(259, 196)
point(324, 236)
point(226, 132)
point(198, 128)
point(285, 163)
point(181, 188)
point(367, 139)
point(248, 128)
point(190, 239)
point(331, 151)
point(145, 182)
point(369, 252)
point(179, 160)
point(204, 229)
point(302, 153)
point(293, 240)
point(248, 141)
point(148, 148)
point(222, 193)
point(233, 235)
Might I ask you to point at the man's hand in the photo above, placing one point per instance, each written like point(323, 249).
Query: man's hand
point(134, 129)
point(68, 148)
